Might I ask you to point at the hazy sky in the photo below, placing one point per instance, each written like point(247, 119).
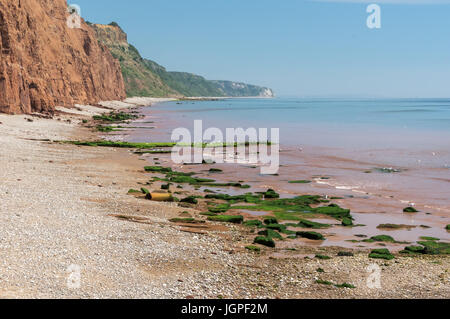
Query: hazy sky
point(301, 48)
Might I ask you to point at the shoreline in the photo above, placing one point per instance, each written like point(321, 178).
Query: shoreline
point(77, 211)
point(334, 177)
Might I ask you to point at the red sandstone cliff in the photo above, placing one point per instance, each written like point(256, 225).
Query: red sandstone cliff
point(44, 63)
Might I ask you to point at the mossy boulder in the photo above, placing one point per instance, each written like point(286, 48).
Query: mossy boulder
point(277, 227)
point(271, 194)
point(270, 234)
point(265, 241)
point(220, 208)
point(157, 169)
point(310, 235)
point(435, 248)
point(165, 186)
point(253, 223)
point(334, 211)
point(190, 200)
point(383, 238)
point(347, 222)
point(270, 221)
point(313, 225)
point(413, 250)
point(238, 219)
point(381, 254)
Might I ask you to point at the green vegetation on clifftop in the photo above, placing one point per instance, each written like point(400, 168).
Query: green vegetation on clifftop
point(144, 77)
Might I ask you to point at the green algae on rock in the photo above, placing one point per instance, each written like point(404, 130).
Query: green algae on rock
point(265, 241)
point(381, 254)
point(271, 194)
point(347, 222)
point(252, 248)
point(253, 223)
point(435, 248)
point(310, 224)
point(190, 200)
point(219, 208)
point(310, 235)
point(269, 233)
point(383, 238)
point(395, 226)
point(237, 219)
point(410, 210)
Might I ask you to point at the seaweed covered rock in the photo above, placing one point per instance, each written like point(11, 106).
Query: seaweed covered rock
point(227, 219)
point(277, 227)
point(410, 210)
point(265, 241)
point(253, 223)
point(435, 248)
point(381, 254)
point(219, 208)
point(383, 238)
point(157, 169)
point(347, 222)
point(269, 221)
point(310, 224)
point(334, 211)
point(190, 200)
point(310, 235)
point(269, 233)
point(271, 194)
point(413, 250)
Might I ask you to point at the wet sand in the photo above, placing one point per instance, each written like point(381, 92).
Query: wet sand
point(63, 204)
point(374, 196)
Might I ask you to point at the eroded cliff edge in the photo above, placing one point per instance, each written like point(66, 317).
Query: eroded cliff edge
point(44, 63)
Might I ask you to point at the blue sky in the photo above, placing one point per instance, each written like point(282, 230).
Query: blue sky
point(296, 47)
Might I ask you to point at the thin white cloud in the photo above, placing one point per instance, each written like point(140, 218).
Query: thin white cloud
point(388, 1)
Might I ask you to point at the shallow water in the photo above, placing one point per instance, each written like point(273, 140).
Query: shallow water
point(345, 141)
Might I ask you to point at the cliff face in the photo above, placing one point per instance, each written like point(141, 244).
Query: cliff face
point(44, 63)
point(144, 77)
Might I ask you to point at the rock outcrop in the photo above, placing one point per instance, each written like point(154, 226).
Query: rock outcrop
point(45, 63)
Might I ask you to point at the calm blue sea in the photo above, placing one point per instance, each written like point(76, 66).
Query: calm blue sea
point(368, 123)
